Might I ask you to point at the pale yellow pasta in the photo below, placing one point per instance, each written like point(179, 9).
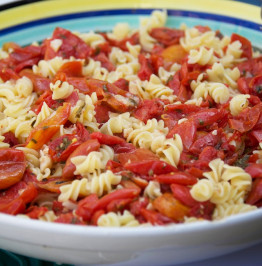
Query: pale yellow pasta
point(84, 111)
point(78, 188)
point(119, 32)
point(2, 143)
point(216, 166)
point(43, 114)
point(112, 219)
point(237, 176)
point(49, 216)
point(151, 89)
point(194, 39)
point(94, 162)
point(91, 38)
point(218, 91)
point(101, 183)
point(32, 156)
point(48, 68)
point(45, 159)
point(238, 103)
point(223, 75)
point(157, 19)
point(61, 90)
point(152, 190)
point(202, 190)
point(56, 44)
point(203, 56)
point(225, 210)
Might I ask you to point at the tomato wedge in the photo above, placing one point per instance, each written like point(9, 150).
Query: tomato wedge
point(12, 167)
point(48, 128)
point(170, 207)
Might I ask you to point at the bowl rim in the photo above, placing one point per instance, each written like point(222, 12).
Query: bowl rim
point(243, 11)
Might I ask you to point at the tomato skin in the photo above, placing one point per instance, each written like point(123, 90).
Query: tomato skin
point(187, 132)
point(48, 128)
point(12, 167)
point(71, 69)
point(247, 119)
point(146, 69)
point(86, 207)
point(182, 178)
point(14, 199)
point(255, 170)
point(174, 54)
point(208, 117)
point(83, 149)
point(205, 141)
point(61, 148)
point(150, 167)
point(124, 147)
point(125, 193)
point(10, 138)
point(106, 139)
point(167, 205)
point(72, 45)
point(255, 194)
point(246, 45)
point(136, 155)
point(154, 217)
point(105, 62)
point(96, 216)
point(148, 109)
point(122, 84)
point(167, 36)
point(182, 193)
point(68, 218)
point(34, 212)
point(118, 205)
point(52, 184)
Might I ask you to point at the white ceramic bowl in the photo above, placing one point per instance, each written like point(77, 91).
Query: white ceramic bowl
point(161, 245)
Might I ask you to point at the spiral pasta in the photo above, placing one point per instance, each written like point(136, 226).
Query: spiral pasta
point(238, 103)
point(152, 190)
point(94, 162)
point(61, 90)
point(112, 219)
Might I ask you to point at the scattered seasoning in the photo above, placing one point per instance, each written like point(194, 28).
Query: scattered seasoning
point(45, 127)
point(35, 141)
point(242, 162)
point(143, 89)
point(59, 182)
point(150, 172)
point(201, 122)
point(170, 78)
point(258, 88)
point(105, 88)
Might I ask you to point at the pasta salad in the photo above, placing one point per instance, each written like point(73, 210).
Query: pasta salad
point(133, 127)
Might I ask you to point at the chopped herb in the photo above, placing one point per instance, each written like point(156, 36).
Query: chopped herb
point(32, 124)
point(150, 172)
point(178, 110)
point(74, 220)
point(201, 122)
point(59, 182)
point(170, 78)
point(258, 88)
point(97, 50)
point(62, 36)
point(210, 104)
point(35, 141)
point(45, 127)
point(132, 101)
point(243, 161)
point(60, 100)
point(79, 111)
point(105, 87)
point(143, 88)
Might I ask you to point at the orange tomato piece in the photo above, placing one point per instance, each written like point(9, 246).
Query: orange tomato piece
point(12, 167)
point(170, 207)
point(174, 53)
point(48, 128)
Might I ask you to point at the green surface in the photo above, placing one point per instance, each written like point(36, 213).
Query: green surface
point(11, 259)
